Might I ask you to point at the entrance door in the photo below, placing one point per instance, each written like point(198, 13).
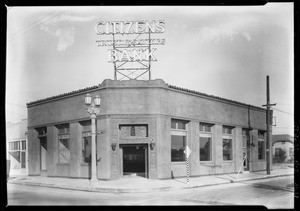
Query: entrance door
point(43, 151)
point(135, 160)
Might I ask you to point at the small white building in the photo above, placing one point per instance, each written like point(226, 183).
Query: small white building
point(16, 147)
point(285, 142)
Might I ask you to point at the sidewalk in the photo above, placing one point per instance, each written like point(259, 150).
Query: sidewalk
point(140, 184)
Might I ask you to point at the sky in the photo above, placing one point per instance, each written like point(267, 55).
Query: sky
point(222, 51)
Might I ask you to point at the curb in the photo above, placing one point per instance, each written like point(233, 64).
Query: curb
point(90, 189)
point(137, 190)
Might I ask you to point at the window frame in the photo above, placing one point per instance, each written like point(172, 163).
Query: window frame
point(63, 136)
point(225, 128)
point(211, 147)
point(179, 132)
point(14, 145)
point(232, 156)
point(206, 134)
point(246, 136)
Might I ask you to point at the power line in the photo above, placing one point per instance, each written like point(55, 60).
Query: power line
point(38, 25)
point(12, 36)
point(283, 111)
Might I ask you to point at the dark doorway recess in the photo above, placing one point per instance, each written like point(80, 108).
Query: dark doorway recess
point(135, 159)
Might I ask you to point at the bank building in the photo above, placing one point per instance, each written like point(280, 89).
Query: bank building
point(142, 128)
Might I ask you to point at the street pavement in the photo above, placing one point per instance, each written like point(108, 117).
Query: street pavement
point(273, 193)
point(139, 184)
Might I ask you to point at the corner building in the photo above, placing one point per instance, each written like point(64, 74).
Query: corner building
point(143, 128)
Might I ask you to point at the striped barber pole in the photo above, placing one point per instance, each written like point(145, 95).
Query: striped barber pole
point(187, 152)
point(187, 170)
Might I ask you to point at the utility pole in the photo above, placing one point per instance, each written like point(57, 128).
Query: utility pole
point(269, 144)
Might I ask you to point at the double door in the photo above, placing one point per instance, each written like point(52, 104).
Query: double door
point(134, 159)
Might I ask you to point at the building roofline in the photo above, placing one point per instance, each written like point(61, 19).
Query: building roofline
point(62, 95)
point(290, 141)
point(171, 87)
point(212, 96)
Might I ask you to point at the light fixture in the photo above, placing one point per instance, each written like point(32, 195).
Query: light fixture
point(152, 145)
point(97, 100)
point(113, 146)
point(88, 99)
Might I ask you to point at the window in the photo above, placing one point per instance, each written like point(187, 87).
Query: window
point(23, 145)
point(178, 140)
point(87, 149)
point(227, 149)
point(130, 131)
point(14, 145)
point(42, 131)
point(246, 137)
point(86, 141)
point(227, 130)
point(63, 143)
point(178, 144)
point(261, 145)
point(63, 128)
point(205, 149)
point(205, 127)
point(178, 124)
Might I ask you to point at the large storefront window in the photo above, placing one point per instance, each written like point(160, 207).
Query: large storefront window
point(205, 149)
point(63, 143)
point(87, 149)
point(178, 144)
point(227, 149)
point(178, 140)
point(227, 143)
point(86, 141)
point(261, 145)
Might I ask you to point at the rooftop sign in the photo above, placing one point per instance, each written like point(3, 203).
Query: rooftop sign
point(129, 27)
point(130, 46)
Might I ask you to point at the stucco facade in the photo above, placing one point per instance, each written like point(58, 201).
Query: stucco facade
point(149, 107)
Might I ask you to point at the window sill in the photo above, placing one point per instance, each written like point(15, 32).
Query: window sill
point(205, 162)
point(133, 138)
point(227, 161)
point(179, 163)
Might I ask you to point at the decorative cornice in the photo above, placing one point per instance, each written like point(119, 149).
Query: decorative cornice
point(108, 83)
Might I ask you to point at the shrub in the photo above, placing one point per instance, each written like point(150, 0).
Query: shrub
point(280, 156)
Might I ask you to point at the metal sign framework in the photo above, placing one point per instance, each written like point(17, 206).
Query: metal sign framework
point(131, 57)
point(132, 69)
